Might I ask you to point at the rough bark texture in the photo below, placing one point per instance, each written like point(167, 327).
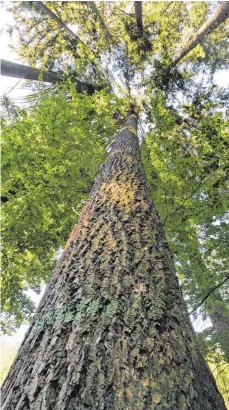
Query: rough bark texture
point(221, 15)
point(10, 69)
point(219, 315)
point(112, 330)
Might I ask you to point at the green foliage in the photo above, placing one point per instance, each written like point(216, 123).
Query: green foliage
point(51, 156)
point(167, 26)
point(8, 353)
point(220, 370)
point(185, 158)
point(45, 41)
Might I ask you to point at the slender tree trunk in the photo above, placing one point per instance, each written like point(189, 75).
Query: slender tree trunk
point(41, 7)
point(10, 69)
point(221, 15)
point(28, 73)
point(95, 10)
point(219, 315)
point(138, 16)
point(112, 330)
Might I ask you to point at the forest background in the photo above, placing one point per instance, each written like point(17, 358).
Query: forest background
point(184, 144)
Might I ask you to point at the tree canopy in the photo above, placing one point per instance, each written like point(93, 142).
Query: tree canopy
point(53, 150)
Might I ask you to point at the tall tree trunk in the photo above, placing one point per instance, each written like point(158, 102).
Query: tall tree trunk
point(221, 15)
point(28, 73)
point(95, 10)
point(10, 69)
point(112, 330)
point(41, 7)
point(138, 16)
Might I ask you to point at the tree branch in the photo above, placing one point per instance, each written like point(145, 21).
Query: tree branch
point(209, 293)
point(180, 206)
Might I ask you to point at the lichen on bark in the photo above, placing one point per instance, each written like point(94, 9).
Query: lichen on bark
point(115, 331)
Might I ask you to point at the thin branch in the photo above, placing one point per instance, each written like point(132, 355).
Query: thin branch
point(14, 86)
point(222, 370)
point(180, 206)
point(208, 294)
point(219, 365)
point(170, 3)
point(166, 204)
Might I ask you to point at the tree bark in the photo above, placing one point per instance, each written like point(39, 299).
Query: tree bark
point(138, 16)
point(10, 69)
point(112, 330)
point(221, 15)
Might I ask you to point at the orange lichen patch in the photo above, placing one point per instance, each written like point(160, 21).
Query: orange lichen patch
point(127, 128)
point(110, 242)
point(82, 223)
point(119, 193)
point(145, 383)
point(131, 129)
point(129, 394)
point(84, 233)
point(140, 289)
point(104, 238)
point(156, 397)
point(98, 241)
